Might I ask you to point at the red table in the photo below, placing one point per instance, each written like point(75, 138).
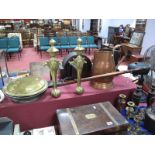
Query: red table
point(42, 113)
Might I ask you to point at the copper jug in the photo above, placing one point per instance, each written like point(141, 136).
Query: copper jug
point(103, 62)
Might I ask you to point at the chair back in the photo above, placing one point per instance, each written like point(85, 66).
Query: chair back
point(73, 40)
point(69, 33)
point(13, 42)
point(44, 41)
point(91, 40)
point(56, 40)
point(84, 34)
point(64, 40)
point(84, 40)
point(76, 33)
point(3, 43)
point(60, 34)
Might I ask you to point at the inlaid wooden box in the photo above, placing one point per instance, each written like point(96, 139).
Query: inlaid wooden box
point(99, 118)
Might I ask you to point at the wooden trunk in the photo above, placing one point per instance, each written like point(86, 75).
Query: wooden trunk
point(100, 118)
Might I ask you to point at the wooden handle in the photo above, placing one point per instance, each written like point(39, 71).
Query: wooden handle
point(103, 76)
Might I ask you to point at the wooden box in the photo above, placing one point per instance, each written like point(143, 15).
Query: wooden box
point(99, 118)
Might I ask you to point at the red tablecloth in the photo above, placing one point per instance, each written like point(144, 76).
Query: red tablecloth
point(42, 113)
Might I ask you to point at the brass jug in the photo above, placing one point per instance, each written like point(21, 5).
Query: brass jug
point(103, 62)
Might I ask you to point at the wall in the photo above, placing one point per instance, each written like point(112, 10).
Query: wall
point(105, 24)
point(86, 26)
point(104, 30)
point(116, 23)
point(77, 22)
point(149, 38)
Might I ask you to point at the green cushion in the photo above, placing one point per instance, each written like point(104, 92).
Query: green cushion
point(93, 46)
point(44, 41)
point(13, 42)
point(44, 48)
point(12, 50)
point(65, 46)
point(72, 46)
point(85, 46)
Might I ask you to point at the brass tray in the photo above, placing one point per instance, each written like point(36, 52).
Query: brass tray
point(26, 86)
point(30, 96)
point(27, 99)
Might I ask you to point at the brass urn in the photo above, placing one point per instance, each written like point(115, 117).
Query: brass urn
point(78, 63)
point(53, 65)
point(103, 63)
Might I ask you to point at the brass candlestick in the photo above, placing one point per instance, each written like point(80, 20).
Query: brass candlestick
point(53, 65)
point(78, 63)
point(130, 109)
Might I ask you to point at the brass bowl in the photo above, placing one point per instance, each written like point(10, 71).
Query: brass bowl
point(27, 99)
point(26, 86)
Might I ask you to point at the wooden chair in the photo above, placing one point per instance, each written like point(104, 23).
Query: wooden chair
point(133, 48)
point(69, 33)
point(134, 45)
point(60, 34)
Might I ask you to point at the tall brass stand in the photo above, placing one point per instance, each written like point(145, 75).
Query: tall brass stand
point(53, 65)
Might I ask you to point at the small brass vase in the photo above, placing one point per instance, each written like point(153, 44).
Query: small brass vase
point(121, 102)
point(138, 119)
point(78, 63)
point(130, 111)
point(53, 65)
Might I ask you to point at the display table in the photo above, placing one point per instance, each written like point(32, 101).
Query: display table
point(42, 113)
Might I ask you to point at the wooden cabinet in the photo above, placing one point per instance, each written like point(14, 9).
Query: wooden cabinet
point(112, 31)
point(94, 26)
point(140, 25)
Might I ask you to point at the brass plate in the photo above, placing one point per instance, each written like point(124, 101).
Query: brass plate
point(90, 116)
point(26, 86)
point(31, 96)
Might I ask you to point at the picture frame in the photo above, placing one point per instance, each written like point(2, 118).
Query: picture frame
point(137, 38)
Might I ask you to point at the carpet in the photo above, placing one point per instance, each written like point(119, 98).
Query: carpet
point(31, 55)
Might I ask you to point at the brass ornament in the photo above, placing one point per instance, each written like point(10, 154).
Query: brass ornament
point(26, 86)
point(53, 65)
point(78, 63)
point(130, 111)
point(90, 116)
point(25, 89)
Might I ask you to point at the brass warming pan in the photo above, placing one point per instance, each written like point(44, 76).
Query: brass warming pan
point(25, 89)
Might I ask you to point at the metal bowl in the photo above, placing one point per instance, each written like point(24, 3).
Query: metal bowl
point(28, 99)
point(25, 96)
point(26, 86)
